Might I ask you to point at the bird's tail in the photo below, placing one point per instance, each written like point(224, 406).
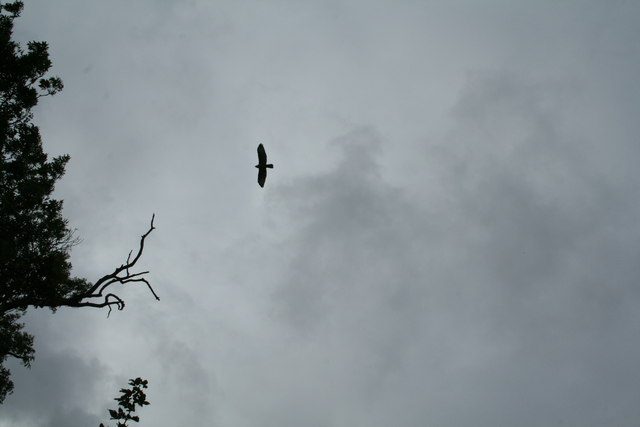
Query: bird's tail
point(270, 166)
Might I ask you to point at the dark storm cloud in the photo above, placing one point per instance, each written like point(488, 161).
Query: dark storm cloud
point(350, 236)
point(58, 390)
point(511, 300)
point(550, 249)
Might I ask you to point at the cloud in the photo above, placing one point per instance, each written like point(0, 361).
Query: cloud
point(59, 389)
point(467, 256)
point(350, 235)
point(488, 306)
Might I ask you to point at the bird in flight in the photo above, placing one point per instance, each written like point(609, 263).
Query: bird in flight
point(262, 165)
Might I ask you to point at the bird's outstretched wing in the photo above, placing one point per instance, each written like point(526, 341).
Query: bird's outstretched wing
point(262, 156)
point(262, 176)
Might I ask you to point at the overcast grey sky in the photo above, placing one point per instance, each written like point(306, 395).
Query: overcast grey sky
point(450, 235)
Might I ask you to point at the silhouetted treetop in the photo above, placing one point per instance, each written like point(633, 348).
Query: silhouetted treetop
point(35, 238)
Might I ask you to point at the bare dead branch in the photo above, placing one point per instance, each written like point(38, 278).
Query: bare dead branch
point(121, 275)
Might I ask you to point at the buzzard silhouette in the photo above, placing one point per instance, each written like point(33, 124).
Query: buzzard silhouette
point(262, 165)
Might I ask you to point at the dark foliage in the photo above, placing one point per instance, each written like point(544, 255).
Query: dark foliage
point(35, 239)
point(127, 402)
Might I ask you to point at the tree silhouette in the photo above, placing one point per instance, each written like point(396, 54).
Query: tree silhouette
point(35, 239)
point(127, 402)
